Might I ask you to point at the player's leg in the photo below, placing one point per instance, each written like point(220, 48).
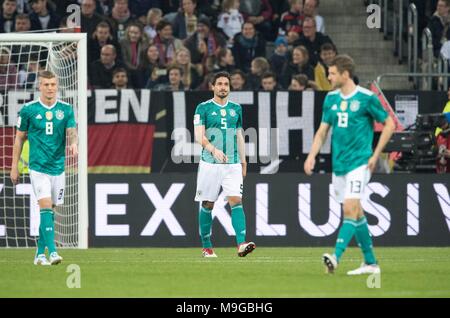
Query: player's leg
point(58, 188)
point(233, 189)
point(208, 187)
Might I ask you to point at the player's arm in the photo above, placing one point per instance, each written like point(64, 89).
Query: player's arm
point(241, 149)
point(388, 130)
point(200, 137)
point(73, 140)
point(21, 136)
point(319, 140)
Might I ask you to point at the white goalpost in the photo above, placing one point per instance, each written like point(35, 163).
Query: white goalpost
point(22, 55)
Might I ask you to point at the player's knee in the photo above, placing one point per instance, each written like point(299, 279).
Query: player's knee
point(234, 201)
point(351, 209)
point(45, 203)
point(208, 205)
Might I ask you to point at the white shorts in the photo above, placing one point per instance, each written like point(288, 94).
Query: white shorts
point(46, 186)
point(352, 184)
point(212, 176)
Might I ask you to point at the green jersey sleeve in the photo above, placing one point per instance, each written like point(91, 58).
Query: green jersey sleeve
point(71, 120)
point(239, 122)
point(326, 113)
point(23, 121)
point(200, 116)
point(376, 110)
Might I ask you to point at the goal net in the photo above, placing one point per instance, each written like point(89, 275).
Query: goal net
point(22, 56)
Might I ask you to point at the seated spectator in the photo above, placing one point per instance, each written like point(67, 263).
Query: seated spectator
point(101, 37)
point(224, 61)
point(312, 40)
point(279, 56)
point(269, 82)
point(42, 17)
point(28, 75)
point(298, 64)
point(89, 18)
point(151, 68)
point(100, 72)
point(230, 20)
point(259, 66)
point(120, 78)
point(119, 18)
point(185, 22)
point(175, 83)
point(238, 81)
point(22, 23)
point(8, 71)
point(154, 15)
point(291, 22)
point(165, 42)
point(191, 78)
point(259, 12)
point(328, 52)
point(439, 25)
point(299, 82)
point(204, 43)
point(247, 45)
point(134, 46)
point(7, 16)
point(310, 9)
point(206, 83)
point(139, 8)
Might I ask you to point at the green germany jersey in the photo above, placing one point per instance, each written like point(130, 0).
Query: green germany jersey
point(352, 120)
point(46, 129)
point(221, 124)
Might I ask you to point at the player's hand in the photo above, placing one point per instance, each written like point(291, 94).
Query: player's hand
point(219, 156)
point(310, 162)
point(244, 169)
point(372, 163)
point(73, 150)
point(14, 175)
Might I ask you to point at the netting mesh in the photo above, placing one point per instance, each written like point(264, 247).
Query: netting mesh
point(20, 63)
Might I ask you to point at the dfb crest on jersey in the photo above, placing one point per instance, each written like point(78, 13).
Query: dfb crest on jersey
point(232, 113)
point(49, 115)
point(354, 106)
point(344, 105)
point(223, 112)
point(59, 114)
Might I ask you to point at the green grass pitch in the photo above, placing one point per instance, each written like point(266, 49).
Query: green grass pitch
point(182, 272)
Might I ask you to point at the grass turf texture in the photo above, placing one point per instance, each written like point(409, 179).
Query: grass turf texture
point(182, 272)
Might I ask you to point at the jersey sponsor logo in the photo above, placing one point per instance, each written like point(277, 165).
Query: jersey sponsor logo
point(59, 114)
point(196, 119)
point(38, 116)
point(49, 115)
point(334, 107)
point(344, 105)
point(223, 112)
point(354, 106)
point(232, 113)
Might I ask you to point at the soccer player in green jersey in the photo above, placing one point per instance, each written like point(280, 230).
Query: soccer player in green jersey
point(46, 122)
point(351, 110)
point(218, 129)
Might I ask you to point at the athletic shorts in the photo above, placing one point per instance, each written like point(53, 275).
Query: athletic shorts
point(47, 186)
point(211, 177)
point(352, 184)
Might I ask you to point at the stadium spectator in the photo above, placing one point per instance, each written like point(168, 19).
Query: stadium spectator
point(238, 81)
point(28, 75)
point(119, 18)
point(185, 22)
point(278, 8)
point(139, 8)
point(259, 12)
point(7, 16)
point(230, 19)
point(328, 52)
point(151, 68)
point(174, 83)
point(439, 25)
point(299, 82)
point(297, 64)
point(311, 9)
point(279, 56)
point(134, 46)
point(43, 17)
point(191, 78)
point(269, 82)
point(443, 143)
point(154, 15)
point(89, 18)
point(312, 40)
point(291, 21)
point(246, 46)
point(22, 23)
point(224, 61)
point(204, 43)
point(101, 37)
point(100, 72)
point(170, 6)
point(165, 42)
point(120, 78)
point(259, 66)
point(8, 71)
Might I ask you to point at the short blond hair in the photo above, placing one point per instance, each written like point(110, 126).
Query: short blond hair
point(47, 74)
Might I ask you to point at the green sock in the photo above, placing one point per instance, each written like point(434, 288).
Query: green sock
point(205, 222)
point(345, 235)
point(47, 221)
point(41, 240)
point(365, 241)
point(238, 221)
